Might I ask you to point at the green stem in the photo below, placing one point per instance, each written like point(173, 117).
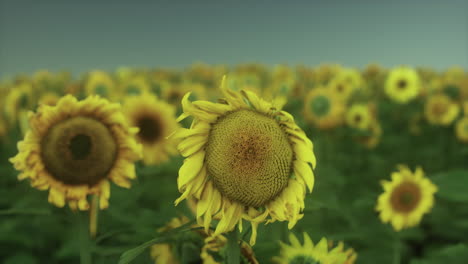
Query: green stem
point(83, 235)
point(396, 250)
point(233, 249)
point(93, 216)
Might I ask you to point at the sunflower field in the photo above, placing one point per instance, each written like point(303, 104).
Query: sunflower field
point(235, 164)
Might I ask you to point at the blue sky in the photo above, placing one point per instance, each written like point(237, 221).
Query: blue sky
point(83, 35)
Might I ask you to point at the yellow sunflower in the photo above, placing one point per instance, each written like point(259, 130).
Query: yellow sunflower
point(244, 160)
point(406, 198)
point(99, 83)
point(74, 148)
point(18, 99)
point(323, 109)
point(403, 84)
point(48, 98)
point(156, 121)
point(341, 88)
point(359, 116)
point(135, 86)
point(441, 110)
point(310, 253)
point(461, 129)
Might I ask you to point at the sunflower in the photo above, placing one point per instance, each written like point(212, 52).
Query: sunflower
point(18, 100)
point(403, 84)
point(155, 120)
point(441, 110)
point(215, 247)
point(359, 116)
point(323, 108)
point(461, 129)
point(342, 89)
point(406, 198)
point(49, 98)
point(74, 148)
point(135, 86)
point(244, 160)
point(310, 253)
point(99, 83)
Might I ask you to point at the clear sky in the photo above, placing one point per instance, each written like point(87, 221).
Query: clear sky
point(84, 35)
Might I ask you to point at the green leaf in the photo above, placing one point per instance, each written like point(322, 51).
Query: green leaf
point(452, 185)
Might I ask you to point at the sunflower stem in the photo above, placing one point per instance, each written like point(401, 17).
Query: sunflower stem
point(93, 216)
point(396, 250)
point(83, 234)
point(233, 249)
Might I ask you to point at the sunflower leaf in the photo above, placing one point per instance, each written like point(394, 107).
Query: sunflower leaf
point(452, 185)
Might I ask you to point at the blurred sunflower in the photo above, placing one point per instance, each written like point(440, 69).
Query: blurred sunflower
point(342, 89)
point(156, 120)
point(99, 83)
point(244, 160)
point(18, 100)
point(461, 129)
point(48, 98)
point(359, 116)
point(406, 198)
point(134, 86)
point(323, 109)
point(74, 148)
point(310, 253)
point(403, 84)
point(440, 110)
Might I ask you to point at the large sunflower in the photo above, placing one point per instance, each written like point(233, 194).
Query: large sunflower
point(441, 110)
point(406, 198)
point(323, 109)
point(156, 120)
point(75, 148)
point(402, 85)
point(310, 253)
point(244, 160)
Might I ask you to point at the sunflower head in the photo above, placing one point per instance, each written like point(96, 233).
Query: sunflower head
point(406, 198)
point(135, 86)
point(441, 110)
point(245, 159)
point(402, 85)
point(99, 83)
point(360, 116)
point(323, 108)
point(308, 253)
point(75, 148)
point(155, 120)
